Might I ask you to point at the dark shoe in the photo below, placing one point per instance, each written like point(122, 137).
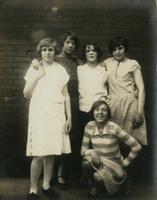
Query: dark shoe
point(33, 196)
point(92, 193)
point(51, 194)
point(63, 186)
point(92, 197)
point(125, 190)
point(62, 183)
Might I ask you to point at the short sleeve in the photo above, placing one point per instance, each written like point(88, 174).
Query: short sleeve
point(65, 76)
point(78, 68)
point(134, 65)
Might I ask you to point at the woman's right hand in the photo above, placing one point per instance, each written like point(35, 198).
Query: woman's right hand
point(40, 71)
point(138, 120)
point(95, 159)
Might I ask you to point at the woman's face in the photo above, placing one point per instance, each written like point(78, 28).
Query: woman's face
point(119, 53)
point(91, 54)
point(101, 113)
point(69, 45)
point(48, 53)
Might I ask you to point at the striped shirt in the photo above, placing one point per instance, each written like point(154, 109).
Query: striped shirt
point(107, 143)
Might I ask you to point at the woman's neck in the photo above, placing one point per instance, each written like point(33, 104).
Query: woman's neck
point(65, 55)
point(92, 64)
point(48, 64)
point(101, 126)
point(121, 60)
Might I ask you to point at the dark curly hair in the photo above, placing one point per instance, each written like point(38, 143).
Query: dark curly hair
point(117, 41)
point(96, 48)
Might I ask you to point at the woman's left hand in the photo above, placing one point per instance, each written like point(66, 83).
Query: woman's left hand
point(106, 98)
point(68, 125)
point(138, 120)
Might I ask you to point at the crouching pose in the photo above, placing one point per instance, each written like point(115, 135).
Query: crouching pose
point(103, 163)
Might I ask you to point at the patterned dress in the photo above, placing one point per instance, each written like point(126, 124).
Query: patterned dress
point(46, 135)
point(123, 93)
point(106, 145)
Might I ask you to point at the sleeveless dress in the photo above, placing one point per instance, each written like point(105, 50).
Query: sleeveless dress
point(123, 94)
point(46, 135)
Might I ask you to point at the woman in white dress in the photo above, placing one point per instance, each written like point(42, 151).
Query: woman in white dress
point(49, 116)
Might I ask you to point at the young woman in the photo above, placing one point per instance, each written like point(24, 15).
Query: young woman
point(49, 116)
point(92, 79)
point(126, 90)
point(103, 163)
point(69, 43)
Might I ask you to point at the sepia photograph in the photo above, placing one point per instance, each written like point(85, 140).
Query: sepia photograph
point(78, 99)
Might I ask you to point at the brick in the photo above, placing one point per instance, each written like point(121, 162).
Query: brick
point(23, 23)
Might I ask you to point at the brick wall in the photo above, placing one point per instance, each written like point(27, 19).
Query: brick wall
point(23, 23)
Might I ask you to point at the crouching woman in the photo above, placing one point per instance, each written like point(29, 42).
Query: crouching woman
point(103, 163)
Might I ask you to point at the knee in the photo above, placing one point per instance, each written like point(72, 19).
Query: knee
point(37, 160)
point(86, 165)
point(97, 177)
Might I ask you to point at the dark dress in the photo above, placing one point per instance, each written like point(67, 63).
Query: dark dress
point(70, 63)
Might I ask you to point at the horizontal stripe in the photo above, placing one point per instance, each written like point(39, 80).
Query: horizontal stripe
point(86, 138)
point(104, 140)
point(131, 142)
point(125, 137)
point(132, 155)
point(109, 154)
point(136, 148)
point(104, 145)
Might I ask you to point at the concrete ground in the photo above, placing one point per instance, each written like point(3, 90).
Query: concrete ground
point(17, 189)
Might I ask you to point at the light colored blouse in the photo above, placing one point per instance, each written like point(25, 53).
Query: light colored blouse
point(92, 85)
point(120, 76)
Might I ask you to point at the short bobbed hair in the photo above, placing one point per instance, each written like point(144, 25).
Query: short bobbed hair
point(96, 48)
point(116, 42)
point(98, 103)
point(46, 42)
point(72, 36)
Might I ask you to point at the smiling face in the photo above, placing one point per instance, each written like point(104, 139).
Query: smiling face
point(69, 45)
point(119, 53)
point(91, 54)
point(48, 53)
point(101, 114)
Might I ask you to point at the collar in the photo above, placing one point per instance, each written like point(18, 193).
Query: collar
point(105, 130)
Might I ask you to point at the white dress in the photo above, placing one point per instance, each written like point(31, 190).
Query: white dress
point(46, 135)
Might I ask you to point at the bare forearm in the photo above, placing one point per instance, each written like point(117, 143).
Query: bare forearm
point(29, 88)
point(141, 100)
point(68, 107)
